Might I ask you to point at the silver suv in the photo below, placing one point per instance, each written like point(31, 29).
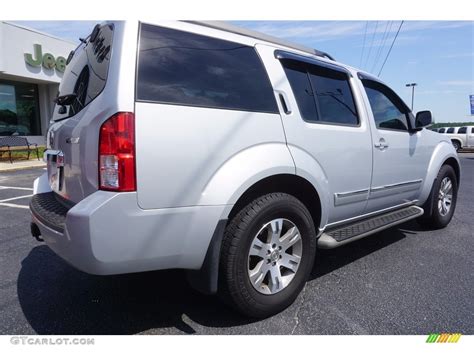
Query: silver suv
point(231, 154)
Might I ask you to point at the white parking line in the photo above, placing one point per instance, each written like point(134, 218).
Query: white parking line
point(16, 188)
point(4, 201)
point(14, 198)
point(13, 205)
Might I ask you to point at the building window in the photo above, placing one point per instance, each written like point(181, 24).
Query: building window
point(19, 109)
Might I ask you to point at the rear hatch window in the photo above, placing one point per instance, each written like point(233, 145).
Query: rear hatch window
point(86, 73)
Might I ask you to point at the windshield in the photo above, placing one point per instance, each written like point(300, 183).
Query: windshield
point(86, 74)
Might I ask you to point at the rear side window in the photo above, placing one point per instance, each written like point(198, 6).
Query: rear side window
point(323, 95)
point(86, 74)
point(442, 130)
point(462, 130)
point(450, 130)
point(183, 68)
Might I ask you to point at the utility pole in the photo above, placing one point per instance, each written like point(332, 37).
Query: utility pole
point(412, 85)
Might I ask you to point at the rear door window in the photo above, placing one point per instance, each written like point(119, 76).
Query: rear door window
point(183, 68)
point(333, 96)
point(450, 130)
point(462, 130)
point(298, 77)
point(323, 95)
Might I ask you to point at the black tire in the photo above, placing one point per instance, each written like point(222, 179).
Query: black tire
point(436, 220)
point(456, 145)
point(235, 287)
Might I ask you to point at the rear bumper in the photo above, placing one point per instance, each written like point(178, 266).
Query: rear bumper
point(108, 233)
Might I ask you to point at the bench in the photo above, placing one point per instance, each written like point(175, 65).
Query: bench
point(17, 143)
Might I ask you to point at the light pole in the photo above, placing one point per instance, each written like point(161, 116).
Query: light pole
point(412, 92)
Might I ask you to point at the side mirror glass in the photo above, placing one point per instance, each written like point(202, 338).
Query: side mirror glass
point(423, 119)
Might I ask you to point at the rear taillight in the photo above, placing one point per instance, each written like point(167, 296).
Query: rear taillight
point(117, 153)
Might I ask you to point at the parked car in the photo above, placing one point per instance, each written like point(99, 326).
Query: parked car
point(231, 154)
point(461, 137)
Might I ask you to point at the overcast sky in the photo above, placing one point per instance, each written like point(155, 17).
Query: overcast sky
point(437, 55)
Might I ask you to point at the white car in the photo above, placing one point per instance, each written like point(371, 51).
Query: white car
point(461, 137)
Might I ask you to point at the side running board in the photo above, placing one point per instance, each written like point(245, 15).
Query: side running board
point(347, 233)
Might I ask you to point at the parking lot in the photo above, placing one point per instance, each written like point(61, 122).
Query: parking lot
point(402, 281)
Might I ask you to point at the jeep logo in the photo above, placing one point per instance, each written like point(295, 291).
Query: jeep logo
point(47, 60)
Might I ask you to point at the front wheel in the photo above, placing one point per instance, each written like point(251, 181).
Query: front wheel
point(267, 254)
point(445, 192)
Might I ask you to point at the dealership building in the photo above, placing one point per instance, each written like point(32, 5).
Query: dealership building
point(31, 67)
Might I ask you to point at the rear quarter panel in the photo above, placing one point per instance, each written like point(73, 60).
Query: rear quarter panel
point(189, 156)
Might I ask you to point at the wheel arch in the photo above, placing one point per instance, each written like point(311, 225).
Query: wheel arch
point(292, 184)
point(443, 154)
point(457, 140)
point(454, 163)
point(205, 280)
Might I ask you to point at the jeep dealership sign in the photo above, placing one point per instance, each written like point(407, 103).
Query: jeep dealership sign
point(47, 60)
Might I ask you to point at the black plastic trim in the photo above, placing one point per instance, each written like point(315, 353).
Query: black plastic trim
point(50, 209)
point(281, 55)
point(205, 280)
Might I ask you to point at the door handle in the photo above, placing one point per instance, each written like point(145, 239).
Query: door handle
point(284, 102)
point(382, 144)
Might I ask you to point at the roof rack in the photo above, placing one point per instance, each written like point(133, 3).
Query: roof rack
point(224, 26)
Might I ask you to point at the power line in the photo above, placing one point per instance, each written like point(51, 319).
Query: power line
point(363, 45)
point(390, 50)
point(382, 44)
point(372, 44)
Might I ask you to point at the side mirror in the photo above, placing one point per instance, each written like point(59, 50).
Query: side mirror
point(423, 119)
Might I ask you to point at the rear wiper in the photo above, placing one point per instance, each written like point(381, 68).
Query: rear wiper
point(65, 100)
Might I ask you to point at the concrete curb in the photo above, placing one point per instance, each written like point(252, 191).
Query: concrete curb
point(14, 167)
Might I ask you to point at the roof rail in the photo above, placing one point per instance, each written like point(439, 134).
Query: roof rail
point(225, 26)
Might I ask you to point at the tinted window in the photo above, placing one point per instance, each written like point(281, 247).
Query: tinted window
point(86, 74)
point(442, 130)
point(178, 67)
point(301, 87)
point(450, 130)
point(333, 96)
point(434, 130)
point(472, 130)
point(323, 95)
point(462, 130)
point(388, 110)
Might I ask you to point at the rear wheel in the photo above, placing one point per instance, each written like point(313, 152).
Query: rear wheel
point(444, 197)
point(267, 254)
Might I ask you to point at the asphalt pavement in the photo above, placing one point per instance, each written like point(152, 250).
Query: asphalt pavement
point(405, 280)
